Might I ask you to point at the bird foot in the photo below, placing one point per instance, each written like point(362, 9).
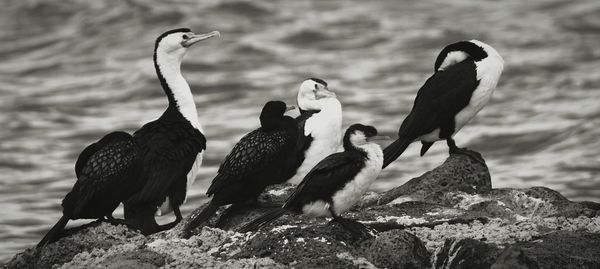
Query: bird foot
point(476, 156)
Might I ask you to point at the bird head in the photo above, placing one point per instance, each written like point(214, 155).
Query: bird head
point(358, 135)
point(311, 92)
point(175, 42)
point(459, 51)
point(272, 114)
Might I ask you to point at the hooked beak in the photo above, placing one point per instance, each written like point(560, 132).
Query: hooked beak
point(324, 93)
point(194, 38)
point(378, 138)
point(288, 108)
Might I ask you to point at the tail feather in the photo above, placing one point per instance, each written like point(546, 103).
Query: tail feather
point(204, 215)
point(54, 233)
point(263, 220)
point(394, 150)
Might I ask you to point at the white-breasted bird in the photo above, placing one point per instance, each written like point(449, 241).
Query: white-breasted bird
point(465, 76)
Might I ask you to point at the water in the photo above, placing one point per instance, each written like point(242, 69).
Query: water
point(73, 70)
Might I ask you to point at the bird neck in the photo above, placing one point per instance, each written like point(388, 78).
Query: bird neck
point(168, 69)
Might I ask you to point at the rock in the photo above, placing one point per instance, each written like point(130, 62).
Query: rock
point(457, 173)
point(450, 214)
point(465, 253)
point(398, 249)
point(561, 249)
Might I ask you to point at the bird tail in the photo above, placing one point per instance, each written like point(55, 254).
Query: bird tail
point(204, 215)
point(54, 233)
point(263, 220)
point(394, 150)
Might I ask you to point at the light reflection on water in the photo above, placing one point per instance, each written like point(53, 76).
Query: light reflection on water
point(74, 70)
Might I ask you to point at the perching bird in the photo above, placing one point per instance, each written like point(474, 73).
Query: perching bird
point(336, 183)
point(258, 160)
point(320, 124)
point(172, 146)
point(466, 74)
point(118, 166)
point(105, 177)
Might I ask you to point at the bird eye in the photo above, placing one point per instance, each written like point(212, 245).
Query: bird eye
point(316, 86)
point(185, 36)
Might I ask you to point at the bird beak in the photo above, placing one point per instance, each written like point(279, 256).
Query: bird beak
point(378, 138)
point(288, 108)
point(194, 38)
point(324, 93)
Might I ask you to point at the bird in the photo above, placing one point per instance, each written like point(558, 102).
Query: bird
point(336, 183)
point(320, 123)
point(465, 76)
point(104, 171)
point(258, 160)
point(115, 168)
point(173, 145)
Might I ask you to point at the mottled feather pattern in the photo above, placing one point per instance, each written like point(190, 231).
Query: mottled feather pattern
point(250, 152)
point(170, 149)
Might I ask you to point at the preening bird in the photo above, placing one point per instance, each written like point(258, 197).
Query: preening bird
point(261, 158)
point(336, 183)
point(172, 145)
point(320, 124)
point(106, 173)
point(464, 78)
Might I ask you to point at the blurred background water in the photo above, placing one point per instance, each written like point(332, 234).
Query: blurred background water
point(73, 70)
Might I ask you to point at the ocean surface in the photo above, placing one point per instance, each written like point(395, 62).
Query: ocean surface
point(73, 70)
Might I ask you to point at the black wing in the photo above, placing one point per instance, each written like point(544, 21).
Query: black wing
point(251, 154)
point(328, 176)
point(102, 166)
point(303, 142)
point(169, 151)
point(442, 96)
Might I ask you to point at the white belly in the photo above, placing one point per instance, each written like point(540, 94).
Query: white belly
point(348, 196)
point(326, 130)
point(166, 208)
point(481, 96)
point(317, 209)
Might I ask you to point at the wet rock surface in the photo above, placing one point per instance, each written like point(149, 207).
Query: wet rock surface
point(450, 217)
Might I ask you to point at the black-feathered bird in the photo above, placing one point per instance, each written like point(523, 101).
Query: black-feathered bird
point(120, 167)
point(466, 74)
point(106, 173)
point(172, 146)
point(320, 124)
point(336, 183)
point(261, 158)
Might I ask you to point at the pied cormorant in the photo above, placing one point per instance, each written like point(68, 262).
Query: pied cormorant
point(464, 78)
point(336, 183)
point(258, 160)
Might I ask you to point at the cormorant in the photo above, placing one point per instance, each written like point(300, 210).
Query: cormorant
point(106, 173)
point(172, 146)
point(464, 78)
point(320, 124)
point(336, 183)
point(258, 160)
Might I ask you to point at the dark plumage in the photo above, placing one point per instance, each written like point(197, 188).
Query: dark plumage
point(261, 158)
point(465, 75)
point(336, 183)
point(105, 172)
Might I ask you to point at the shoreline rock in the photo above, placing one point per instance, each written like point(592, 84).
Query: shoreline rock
point(450, 217)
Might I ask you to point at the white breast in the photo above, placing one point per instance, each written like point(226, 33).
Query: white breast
point(325, 128)
point(348, 196)
point(488, 73)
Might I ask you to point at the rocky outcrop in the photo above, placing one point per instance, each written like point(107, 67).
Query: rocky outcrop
point(450, 217)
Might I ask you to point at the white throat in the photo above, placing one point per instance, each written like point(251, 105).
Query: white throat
point(170, 68)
